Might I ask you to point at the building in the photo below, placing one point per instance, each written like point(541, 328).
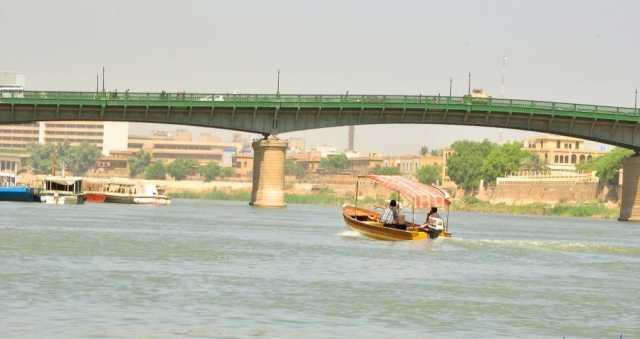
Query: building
point(114, 164)
point(310, 161)
point(295, 145)
point(108, 136)
point(167, 147)
point(242, 164)
point(365, 164)
point(406, 164)
point(560, 153)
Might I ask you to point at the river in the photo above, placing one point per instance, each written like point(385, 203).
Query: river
point(224, 269)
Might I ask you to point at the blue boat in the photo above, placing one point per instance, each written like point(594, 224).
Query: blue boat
point(10, 192)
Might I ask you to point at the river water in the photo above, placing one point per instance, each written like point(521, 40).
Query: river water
point(224, 269)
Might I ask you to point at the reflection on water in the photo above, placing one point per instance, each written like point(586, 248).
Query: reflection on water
point(222, 269)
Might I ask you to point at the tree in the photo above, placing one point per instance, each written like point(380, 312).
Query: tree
point(388, 170)
point(502, 160)
point(429, 174)
point(41, 157)
point(292, 167)
point(464, 166)
point(181, 168)
point(424, 150)
point(156, 171)
point(607, 166)
point(335, 163)
point(226, 172)
point(138, 162)
point(79, 159)
point(75, 159)
point(210, 171)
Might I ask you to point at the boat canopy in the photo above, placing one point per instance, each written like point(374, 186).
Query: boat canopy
point(422, 196)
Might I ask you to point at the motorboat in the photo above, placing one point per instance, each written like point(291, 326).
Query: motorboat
point(367, 221)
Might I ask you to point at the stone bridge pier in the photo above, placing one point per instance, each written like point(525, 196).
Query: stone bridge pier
point(630, 204)
point(268, 172)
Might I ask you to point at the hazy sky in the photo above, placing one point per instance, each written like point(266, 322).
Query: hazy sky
point(576, 51)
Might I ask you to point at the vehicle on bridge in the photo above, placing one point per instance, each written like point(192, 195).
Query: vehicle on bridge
point(368, 222)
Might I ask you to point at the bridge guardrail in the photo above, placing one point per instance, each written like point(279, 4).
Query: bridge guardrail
point(204, 98)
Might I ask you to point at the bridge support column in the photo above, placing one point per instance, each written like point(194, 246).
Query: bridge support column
point(630, 204)
point(268, 172)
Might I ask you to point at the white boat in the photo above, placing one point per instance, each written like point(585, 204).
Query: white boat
point(62, 190)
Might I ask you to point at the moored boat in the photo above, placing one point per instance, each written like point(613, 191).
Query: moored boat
point(62, 190)
point(9, 191)
point(132, 193)
point(367, 222)
point(94, 197)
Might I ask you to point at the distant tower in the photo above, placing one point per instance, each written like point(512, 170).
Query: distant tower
point(352, 131)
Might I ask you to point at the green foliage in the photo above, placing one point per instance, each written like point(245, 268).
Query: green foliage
point(182, 168)
point(41, 157)
point(210, 171)
point(76, 159)
point(429, 174)
point(607, 166)
point(226, 172)
point(473, 161)
point(386, 170)
point(155, 170)
point(335, 163)
point(292, 167)
point(589, 209)
point(502, 160)
point(79, 159)
point(138, 162)
point(464, 166)
point(424, 150)
point(214, 194)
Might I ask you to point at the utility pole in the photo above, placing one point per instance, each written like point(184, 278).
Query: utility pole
point(278, 85)
point(102, 79)
point(97, 83)
point(450, 87)
point(635, 102)
point(469, 89)
point(504, 66)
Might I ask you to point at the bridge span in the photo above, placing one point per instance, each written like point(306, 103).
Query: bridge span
point(270, 115)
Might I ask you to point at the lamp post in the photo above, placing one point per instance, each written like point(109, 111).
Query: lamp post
point(450, 87)
point(278, 84)
point(469, 89)
point(635, 102)
point(504, 66)
point(102, 79)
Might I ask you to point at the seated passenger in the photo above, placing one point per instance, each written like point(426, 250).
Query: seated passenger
point(390, 214)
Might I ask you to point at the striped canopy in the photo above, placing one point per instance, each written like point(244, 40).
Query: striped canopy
point(421, 195)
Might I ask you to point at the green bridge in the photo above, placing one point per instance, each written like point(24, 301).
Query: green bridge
point(272, 114)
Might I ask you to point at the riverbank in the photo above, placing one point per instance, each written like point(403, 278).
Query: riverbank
point(328, 197)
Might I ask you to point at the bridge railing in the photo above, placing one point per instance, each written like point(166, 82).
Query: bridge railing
point(133, 98)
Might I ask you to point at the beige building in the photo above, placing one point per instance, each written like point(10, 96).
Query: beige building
point(108, 136)
point(168, 147)
point(243, 164)
point(560, 153)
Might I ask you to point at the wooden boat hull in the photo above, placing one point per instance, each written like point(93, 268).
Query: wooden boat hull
point(365, 222)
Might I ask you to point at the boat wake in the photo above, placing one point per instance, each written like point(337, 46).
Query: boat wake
point(350, 234)
point(548, 245)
